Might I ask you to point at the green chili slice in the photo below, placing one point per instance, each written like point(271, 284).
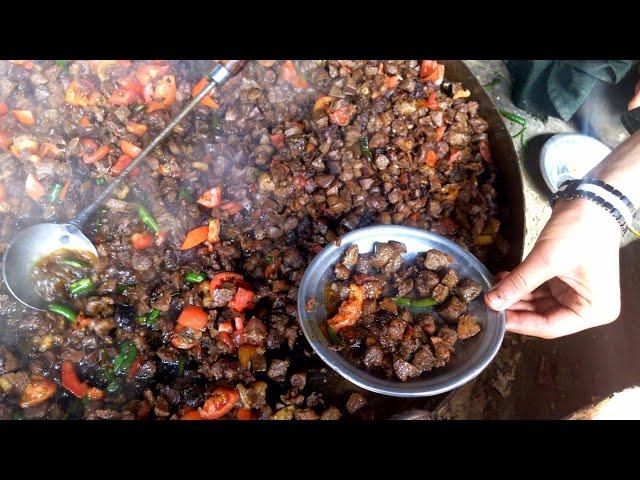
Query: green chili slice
point(55, 192)
point(74, 263)
point(414, 302)
point(148, 220)
point(194, 277)
point(127, 354)
point(513, 117)
point(63, 310)
point(80, 287)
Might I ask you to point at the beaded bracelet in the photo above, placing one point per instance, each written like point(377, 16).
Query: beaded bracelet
point(568, 190)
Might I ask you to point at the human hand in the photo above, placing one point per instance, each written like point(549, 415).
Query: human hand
point(570, 280)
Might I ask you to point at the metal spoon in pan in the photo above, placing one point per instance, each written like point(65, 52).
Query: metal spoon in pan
point(38, 241)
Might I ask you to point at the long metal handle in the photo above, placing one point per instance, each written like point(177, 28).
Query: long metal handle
point(217, 76)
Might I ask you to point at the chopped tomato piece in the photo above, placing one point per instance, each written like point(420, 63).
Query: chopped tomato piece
point(38, 390)
point(64, 191)
point(164, 95)
point(432, 104)
point(24, 116)
point(28, 64)
point(81, 93)
point(392, 81)
point(195, 237)
point(225, 327)
point(440, 132)
point(129, 148)
point(192, 415)
point(140, 241)
point(85, 122)
point(3, 192)
point(239, 322)
point(278, 140)
point(454, 156)
point(219, 403)
point(350, 310)
point(432, 158)
point(430, 70)
point(146, 73)
point(4, 140)
point(33, 187)
point(244, 414)
point(121, 164)
point(221, 278)
point(135, 366)
point(289, 74)
point(485, 151)
point(120, 96)
point(342, 115)
point(208, 100)
point(242, 299)
point(72, 383)
point(193, 317)
point(3, 109)
point(138, 129)
point(96, 155)
point(211, 198)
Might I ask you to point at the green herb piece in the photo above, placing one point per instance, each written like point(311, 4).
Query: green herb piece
point(414, 302)
point(100, 180)
point(74, 263)
point(63, 310)
point(364, 148)
point(150, 318)
point(63, 64)
point(55, 192)
point(333, 337)
point(80, 287)
point(148, 220)
point(181, 364)
point(17, 416)
point(185, 195)
point(122, 287)
point(139, 107)
point(193, 277)
point(127, 354)
point(269, 259)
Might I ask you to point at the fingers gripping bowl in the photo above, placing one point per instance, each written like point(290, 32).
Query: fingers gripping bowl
point(471, 356)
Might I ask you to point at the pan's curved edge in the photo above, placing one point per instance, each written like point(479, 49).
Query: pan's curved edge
point(511, 178)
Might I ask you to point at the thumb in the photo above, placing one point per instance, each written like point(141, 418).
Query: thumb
point(635, 101)
point(525, 278)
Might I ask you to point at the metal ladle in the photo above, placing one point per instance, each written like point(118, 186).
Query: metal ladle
point(37, 241)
